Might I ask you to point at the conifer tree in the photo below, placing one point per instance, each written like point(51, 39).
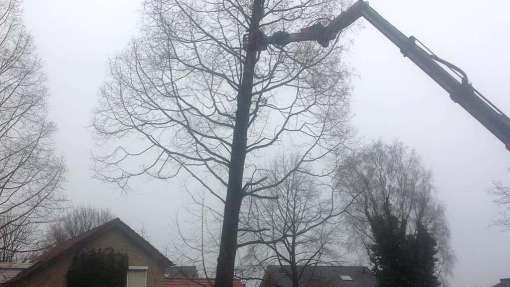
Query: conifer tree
point(399, 258)
point(425, 247)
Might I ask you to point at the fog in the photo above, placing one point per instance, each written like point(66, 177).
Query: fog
point(392, 99)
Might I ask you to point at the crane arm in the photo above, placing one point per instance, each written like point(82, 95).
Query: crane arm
point(447, 75)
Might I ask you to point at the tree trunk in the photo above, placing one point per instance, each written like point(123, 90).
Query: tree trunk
point(228, 244)
point(295, 277)
point(293, 264)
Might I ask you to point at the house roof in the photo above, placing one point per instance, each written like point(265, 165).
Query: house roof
point(72, 245)
point(10, 270)
point(504, 282)
point(195, 282)
point(182, 272)
point(323, 276)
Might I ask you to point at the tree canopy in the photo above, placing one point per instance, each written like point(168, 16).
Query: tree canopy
point(192, 96)
point(76, 222)
point(393, 192)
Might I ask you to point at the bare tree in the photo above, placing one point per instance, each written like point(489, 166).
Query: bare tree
point(30, 173)
point(383, 177)
point(295, 227)
point(16, 239)
point(187, 98)
point(75, 223)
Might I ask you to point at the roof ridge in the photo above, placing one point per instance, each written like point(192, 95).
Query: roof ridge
point(65, 246)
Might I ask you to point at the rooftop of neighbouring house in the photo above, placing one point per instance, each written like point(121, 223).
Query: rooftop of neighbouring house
point(504, 282)
point(72, 245)
point(10, 270)
point(196, 282)
point(180, 271)
point(323, 276)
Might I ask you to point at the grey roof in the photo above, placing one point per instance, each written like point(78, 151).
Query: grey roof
point(10, 270)
point(320, 276)
point(181, 272)
point(505, 282)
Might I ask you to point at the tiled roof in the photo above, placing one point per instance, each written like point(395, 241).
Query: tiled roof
point(195, 282)
point(323, 276)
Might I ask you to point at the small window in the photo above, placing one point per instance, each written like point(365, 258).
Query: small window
point(346, 278)
point(137, 276)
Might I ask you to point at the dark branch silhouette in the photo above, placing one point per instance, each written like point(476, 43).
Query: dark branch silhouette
point(30, 173)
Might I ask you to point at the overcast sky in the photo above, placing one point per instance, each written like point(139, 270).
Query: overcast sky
point(392, 99)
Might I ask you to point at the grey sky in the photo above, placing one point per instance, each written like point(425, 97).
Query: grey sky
point(392, 99)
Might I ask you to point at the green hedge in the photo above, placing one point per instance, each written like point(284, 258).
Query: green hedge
point(98, 268)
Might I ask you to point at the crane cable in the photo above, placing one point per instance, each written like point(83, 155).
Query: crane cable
point(460, 73)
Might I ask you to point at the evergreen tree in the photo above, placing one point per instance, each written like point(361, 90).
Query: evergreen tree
point(389, 252)
point(98, 268)
point(425, 247)
point(401, 259)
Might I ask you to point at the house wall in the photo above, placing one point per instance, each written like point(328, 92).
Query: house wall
point(54, 275)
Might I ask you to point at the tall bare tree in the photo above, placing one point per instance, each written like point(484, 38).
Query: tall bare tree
point(186, 97)
point(76, 222)
point(390, 179)
point(30, 173)
point(296, 227)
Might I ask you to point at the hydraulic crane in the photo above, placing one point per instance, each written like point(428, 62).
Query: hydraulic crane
point(448, 76)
